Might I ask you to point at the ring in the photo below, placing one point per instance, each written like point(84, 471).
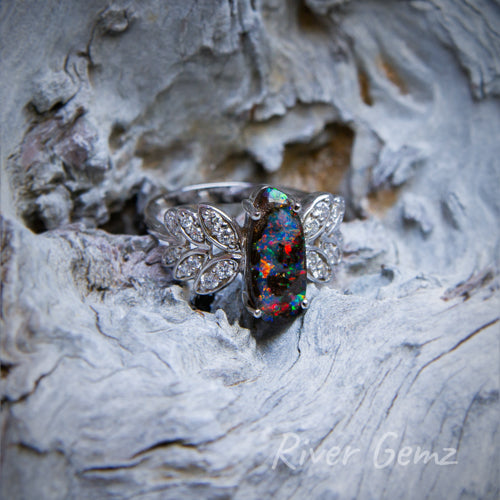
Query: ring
point(278, 238)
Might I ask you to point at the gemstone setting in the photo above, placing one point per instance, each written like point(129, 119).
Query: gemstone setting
point(190, 226)
point(318, 268)
point(189, 265)
point(218, 228)
point(217, 274)
point(276, 257)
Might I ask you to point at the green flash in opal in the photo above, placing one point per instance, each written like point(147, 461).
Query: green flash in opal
point(276, 257)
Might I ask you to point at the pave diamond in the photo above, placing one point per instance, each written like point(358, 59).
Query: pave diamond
point(317, 217)
point(189, 266)
point(336, 214)
point(311, 226)
point(217, 275)
point(171, 255)
point(209, 281)
point(321, 210)
point(318, 267)
point(171, 223)
point(190, 225)
point(333, 250)
point(219, 228)
point(226, 268)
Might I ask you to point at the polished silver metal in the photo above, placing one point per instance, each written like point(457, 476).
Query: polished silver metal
point(205, 226)
point(256, 313)
point(251, 210)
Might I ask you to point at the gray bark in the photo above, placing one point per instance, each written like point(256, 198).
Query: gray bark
point(113, 386)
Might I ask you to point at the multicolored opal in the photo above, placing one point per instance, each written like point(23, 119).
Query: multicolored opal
point(276, 257)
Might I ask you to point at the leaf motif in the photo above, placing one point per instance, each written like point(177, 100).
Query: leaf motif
point(189, 265)
point(336, 216)
point(190, 225)
point(318, 268)
point(216, 274)
point(332, 247)
point(171, 254)
point(317, 216)
point(219, 228)
point(172, 224)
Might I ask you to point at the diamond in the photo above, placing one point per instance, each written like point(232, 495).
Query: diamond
point(189, 266)
point(317, 217)
point(212, 219)
point(218, 227)
point(187, 221)
point(311, 226)
point(171, 255)
point(209, 281)
point(336, 214)
point(217, 275)
point(225, 269)
point(333, 250)
point(190, 225)
point(171, 223)
point(317, 266)
point(321, 211)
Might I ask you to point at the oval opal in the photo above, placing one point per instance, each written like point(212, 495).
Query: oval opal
point(276, 257)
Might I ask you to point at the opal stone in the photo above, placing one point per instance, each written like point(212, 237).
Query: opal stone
point(276, 257)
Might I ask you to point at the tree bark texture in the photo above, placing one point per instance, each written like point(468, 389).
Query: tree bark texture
point(113, 385)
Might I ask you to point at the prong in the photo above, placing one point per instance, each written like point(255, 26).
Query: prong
point(256, 313)
point(304, 304)
point(251, 210)
point(297, 207)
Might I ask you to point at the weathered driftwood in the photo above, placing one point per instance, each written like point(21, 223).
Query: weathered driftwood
point(113, 386)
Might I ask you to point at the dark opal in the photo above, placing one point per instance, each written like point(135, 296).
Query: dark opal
point(276, 257)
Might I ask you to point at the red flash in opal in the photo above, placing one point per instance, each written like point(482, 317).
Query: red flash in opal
point(276, 257)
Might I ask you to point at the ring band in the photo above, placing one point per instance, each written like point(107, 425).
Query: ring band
point(279, 238)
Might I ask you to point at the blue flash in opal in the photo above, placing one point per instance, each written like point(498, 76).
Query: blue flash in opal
point(276, 257)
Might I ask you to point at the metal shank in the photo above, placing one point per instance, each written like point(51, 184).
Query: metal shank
point(216, 193)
